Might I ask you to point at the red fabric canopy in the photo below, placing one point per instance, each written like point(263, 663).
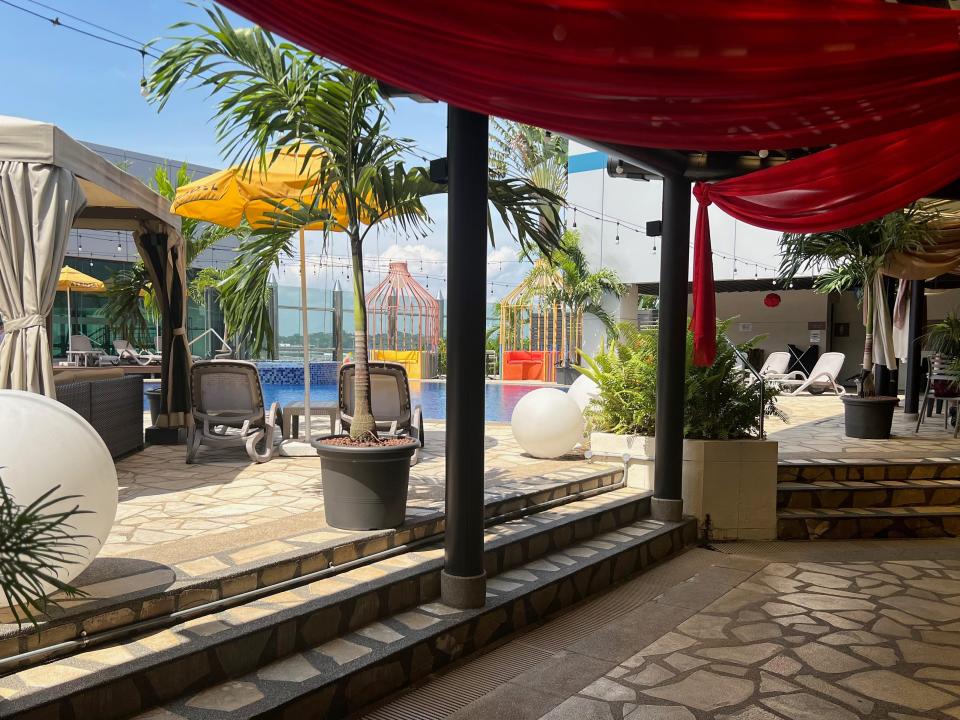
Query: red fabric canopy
point(699, 75)
point(836, 188)
point(686, 74)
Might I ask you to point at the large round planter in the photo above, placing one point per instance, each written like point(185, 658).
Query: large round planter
point(868, 418)
point(365, 488)
point(154, 395)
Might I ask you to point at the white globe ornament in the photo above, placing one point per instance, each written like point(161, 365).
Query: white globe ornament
point(583, 391)
point(44, 444)
point(547, 423)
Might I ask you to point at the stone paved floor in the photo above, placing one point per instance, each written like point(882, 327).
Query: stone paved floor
point(814, 433)
point(164, 500)
point(775, 631)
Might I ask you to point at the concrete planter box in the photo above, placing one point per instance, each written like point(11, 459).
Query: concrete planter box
point(732, 481)
point(735, 483)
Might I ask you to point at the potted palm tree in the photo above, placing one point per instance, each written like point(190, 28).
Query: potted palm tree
point(275, 97)
point(854, 259)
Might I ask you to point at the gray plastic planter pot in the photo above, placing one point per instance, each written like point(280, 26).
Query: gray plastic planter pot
point(365, 488)
point(868, 418)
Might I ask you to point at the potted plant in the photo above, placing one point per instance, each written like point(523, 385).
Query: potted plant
point(729, 468)
point(275, 97)
point(943, 339)
point(854, 258)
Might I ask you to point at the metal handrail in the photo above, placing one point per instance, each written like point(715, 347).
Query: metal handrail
point(757, 376)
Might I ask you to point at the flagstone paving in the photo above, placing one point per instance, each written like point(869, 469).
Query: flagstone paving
point(829, 631)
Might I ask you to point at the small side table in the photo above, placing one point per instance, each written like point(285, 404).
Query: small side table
point(292, 413)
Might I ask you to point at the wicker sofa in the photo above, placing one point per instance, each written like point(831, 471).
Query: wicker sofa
point(110, 401)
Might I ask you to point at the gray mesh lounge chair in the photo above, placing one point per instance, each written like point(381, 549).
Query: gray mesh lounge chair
point(126, 351)
point(226, 395)
point(389, 400)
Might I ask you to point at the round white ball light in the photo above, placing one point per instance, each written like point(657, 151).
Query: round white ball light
point(583, 391)
point(547, 423)
point(43, 444)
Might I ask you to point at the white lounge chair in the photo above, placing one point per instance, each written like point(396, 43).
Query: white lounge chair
point(389, 401)
point(126, 351)
point(226, 395)
point(83, 352)
point(823, 377)
point(775, 366)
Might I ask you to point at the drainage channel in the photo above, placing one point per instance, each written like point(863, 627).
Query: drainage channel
point(87, 641)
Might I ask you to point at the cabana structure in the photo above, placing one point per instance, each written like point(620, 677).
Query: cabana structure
point(49, 184)
point(403, 321)
point(536, 332)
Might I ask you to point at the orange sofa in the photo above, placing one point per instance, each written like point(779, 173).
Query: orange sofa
point(523, 365)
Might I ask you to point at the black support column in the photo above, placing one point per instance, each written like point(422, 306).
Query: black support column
point(914, 381)
point(667, 501)
point(463, 581)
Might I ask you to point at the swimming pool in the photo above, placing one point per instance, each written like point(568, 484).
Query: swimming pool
point(431, 396)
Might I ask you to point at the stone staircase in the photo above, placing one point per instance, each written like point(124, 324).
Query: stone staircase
point(329, 647)
point(868, 499)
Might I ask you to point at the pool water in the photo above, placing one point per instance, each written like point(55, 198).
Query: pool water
point(431, 396)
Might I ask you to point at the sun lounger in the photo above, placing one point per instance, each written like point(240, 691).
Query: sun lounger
point(226, 396)
point(126, 351)
point(823, 377)
point(389, 400)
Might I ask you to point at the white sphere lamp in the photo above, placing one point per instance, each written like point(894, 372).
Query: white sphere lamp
point(547, 423)
point(583, 391)
point(43, 444)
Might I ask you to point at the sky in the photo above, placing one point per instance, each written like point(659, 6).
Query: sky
point(91, 89)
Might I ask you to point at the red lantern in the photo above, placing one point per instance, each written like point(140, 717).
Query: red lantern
point(771, 300)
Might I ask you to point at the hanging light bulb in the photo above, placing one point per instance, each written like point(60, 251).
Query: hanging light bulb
point(734, 268)
point(119, 244)
point(654, 246)
point(91, 263)
point(574, 217)
point(774, 281)
point(79, 243)
point(756, 272)
point(144, 89)
point(618, 234)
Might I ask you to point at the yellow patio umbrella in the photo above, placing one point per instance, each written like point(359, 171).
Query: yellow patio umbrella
point(72, 280)
point(236, 194)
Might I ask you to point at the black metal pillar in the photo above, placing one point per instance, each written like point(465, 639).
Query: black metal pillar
point(671, 349)
point(463, 581)
point(914, 381)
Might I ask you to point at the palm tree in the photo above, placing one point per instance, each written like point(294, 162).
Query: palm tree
point(273, 97)
point(123, 310)
point(532, 153)
point(854, 258)
point(564, 278)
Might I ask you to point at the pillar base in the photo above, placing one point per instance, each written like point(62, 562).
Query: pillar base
point(461, 592)
point(666, 510)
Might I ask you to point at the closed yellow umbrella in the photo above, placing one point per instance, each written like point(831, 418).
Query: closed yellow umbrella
point(76, 281)
point(236, 194)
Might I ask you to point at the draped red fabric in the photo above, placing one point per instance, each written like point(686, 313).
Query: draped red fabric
point(686, 74)
point(836, 188)
point(703, 320)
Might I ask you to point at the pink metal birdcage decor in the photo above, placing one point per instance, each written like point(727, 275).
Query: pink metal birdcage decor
point(403, 322)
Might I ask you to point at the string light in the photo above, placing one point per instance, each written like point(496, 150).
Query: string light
point(79, 243)
point(617, 239)
point(574, 217)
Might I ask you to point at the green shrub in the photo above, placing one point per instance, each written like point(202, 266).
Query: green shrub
point(720, 404)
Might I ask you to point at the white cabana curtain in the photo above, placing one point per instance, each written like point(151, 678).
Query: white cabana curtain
point(38, 204)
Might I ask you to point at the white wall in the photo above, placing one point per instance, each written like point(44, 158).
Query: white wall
point(786, 323)
point(636, 202)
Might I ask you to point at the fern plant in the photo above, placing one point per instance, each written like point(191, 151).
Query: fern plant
point(720, 403)
point(36, 541)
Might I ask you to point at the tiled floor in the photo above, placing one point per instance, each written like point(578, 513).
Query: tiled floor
point(814, 433)
point(834, 631)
